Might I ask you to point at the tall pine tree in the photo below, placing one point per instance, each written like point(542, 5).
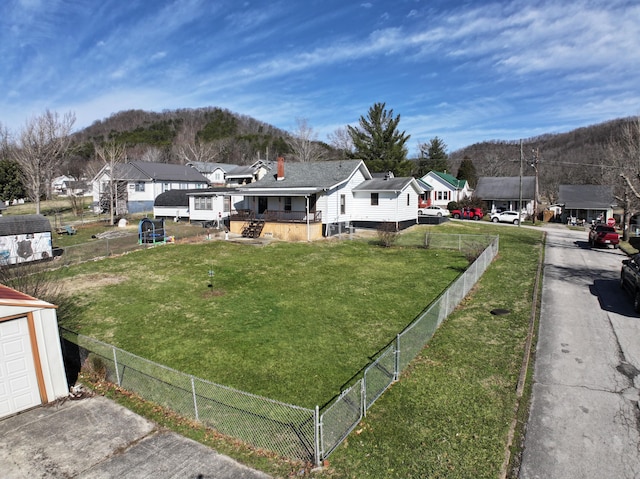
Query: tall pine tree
point(433, 157)
point(379, 143)
point(467, 171)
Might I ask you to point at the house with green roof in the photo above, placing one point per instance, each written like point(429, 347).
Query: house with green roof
point(445, 188)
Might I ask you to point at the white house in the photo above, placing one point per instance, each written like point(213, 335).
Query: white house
point(139, 183)
point(507, 192)
point(386, 200)
point(445, 188)
point(225, 174)
point(31, 366)
point(315, 199)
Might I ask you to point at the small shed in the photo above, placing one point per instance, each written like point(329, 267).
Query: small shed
point(31, 365)
point(24, 238)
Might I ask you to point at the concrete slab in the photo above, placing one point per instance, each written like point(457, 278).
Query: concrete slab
point(96, 438)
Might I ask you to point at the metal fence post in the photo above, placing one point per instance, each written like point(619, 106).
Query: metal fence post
point(115, 362)
point(317, 433)
point(195, 400)
point(396, 366)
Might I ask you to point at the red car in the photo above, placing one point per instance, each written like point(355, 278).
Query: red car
point(603, 235)
point(468, 213)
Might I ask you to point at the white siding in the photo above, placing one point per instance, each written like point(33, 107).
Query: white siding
point(217, 208)
point(392, 207)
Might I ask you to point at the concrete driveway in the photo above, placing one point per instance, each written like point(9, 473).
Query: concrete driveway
point(96, 438)
point(584, 420)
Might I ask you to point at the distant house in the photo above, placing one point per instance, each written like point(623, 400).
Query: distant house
point(507, 192)
point(32, 370)
point(224, 174)
point(444, 189)
point(139, 183)
point(316, 199)
point(24, 238)
point(586, 202)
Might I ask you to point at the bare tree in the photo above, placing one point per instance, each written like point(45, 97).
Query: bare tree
point(304, 143)
point(111, 155)
point(199, 151)
point(42, 147)
point(624, 154)
point(341, 141)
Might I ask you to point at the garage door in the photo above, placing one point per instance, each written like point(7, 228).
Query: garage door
point(18, 382)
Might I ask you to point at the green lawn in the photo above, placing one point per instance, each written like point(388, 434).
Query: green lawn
point(290, 321)
point(447, 417)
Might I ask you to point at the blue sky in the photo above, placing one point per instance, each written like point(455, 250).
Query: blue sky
point(465, 71)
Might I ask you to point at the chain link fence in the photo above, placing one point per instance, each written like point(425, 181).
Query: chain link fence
point(290, 431)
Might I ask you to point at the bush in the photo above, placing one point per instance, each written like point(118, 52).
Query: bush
point(388, 234)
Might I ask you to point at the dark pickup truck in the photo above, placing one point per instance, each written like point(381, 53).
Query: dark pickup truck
point(630, 279)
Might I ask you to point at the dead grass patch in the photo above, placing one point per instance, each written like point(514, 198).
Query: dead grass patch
point(91, 281)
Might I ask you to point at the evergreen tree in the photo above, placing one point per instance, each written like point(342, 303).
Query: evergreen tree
point(378, 142)
point(11, 186)
point(467, 171)
point(433, 157)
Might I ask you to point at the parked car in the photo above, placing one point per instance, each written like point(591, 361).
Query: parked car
point(603, 235)
point(630, 279)
point(468, 213)
point(506, 217)
point(433, 210)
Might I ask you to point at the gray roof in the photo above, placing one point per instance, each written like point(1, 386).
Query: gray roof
point(586, 197)
point(384, 184)
point(241, 172)
point(424, 185)
point(24, 224)
point(317, 175)
point(148, 171)
point(181, 197)
point(505, 188)
point(207, 167)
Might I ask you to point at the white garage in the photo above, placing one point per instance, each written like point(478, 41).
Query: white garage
point(31, 366)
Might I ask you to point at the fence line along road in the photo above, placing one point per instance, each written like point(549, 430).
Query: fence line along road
point(291, 431)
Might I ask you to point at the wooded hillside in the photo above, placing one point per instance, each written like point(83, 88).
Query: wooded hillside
point(581, 156)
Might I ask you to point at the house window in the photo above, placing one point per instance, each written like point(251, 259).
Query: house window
point(374, 199)
point(287, 203)
point(343, 204)
point(203, 203)
point(443, 195)
point(139, 186)
point(408, 200)
point(166, 186)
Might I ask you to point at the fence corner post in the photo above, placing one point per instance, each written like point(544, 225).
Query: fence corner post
point(317, 433)
point(115, 363)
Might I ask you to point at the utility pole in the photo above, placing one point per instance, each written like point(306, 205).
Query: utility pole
point(534, 164)
point(520, 197)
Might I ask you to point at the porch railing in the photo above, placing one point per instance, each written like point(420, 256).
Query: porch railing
point(277, 216)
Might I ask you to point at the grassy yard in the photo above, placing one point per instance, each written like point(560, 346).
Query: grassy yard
point(449, 414)
point(292, 322)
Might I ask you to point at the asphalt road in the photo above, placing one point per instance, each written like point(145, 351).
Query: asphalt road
point(584, 421)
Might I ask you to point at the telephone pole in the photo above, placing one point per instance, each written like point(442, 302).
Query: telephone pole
point(534, 164)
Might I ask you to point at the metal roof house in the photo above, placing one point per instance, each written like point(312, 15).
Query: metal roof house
point(24, 238)
point(140, 182)
point(586, 202)
point(507, 192)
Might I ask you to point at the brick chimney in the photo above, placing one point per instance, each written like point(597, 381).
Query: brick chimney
point(280, 175)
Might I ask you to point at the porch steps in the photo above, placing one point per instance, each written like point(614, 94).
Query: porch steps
point(253, 229)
